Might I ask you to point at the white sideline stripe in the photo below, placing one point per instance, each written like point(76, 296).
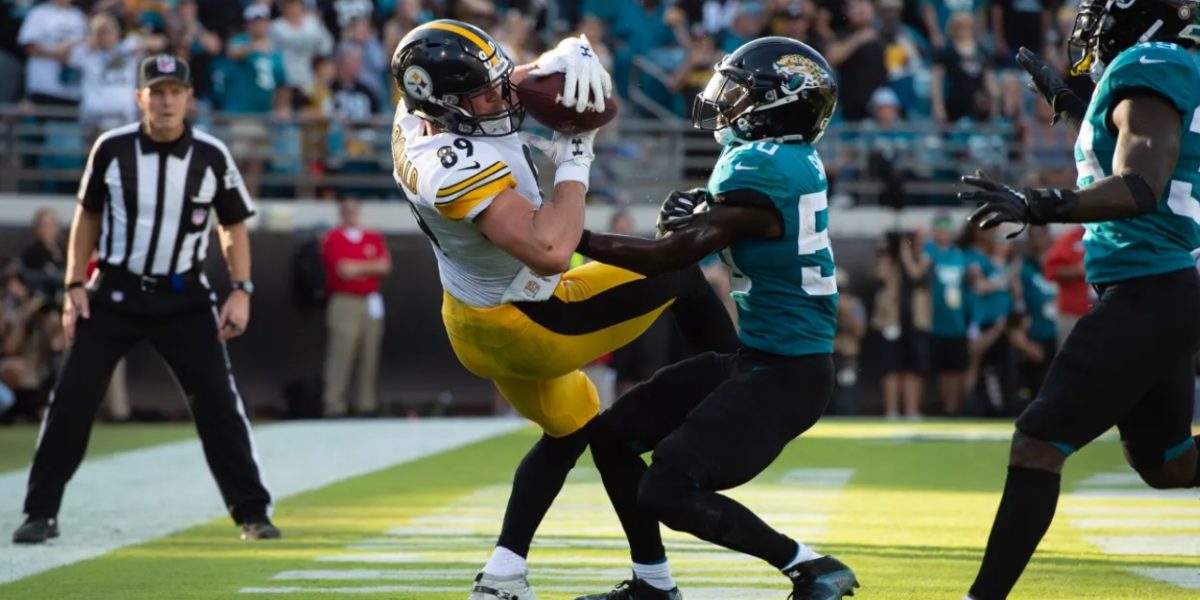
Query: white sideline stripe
point(830, 478)
point(1143, 545)
point(1146, 511)
point(583, 542)
point(1113, 479)
point(719, 593)
point(1166, 523)
point(537, 575)
point(474, 558)
point(136, 496)
point(536, 572)
point(1145, 493)
point(1187, 578)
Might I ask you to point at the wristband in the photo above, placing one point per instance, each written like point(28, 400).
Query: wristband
point(572, 172)
point(74, 285)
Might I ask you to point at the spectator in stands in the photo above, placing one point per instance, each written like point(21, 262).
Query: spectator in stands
point(1048, 148)
point(994, 276)
point(356, 260)
point(948, 345)
point(1017, 23)
point(748, 21)
point(253, 86)
point(43, 261)
point(858, 56)
point(108, 66)
point(902, 317)
point(352, 101)
point(1041, 304)
point(937, 14)
point(32, 337)
point(1064, 266)
point(906, 57)
point(299, 35)
point(847, 346)
point(697, 69)
point(516, 36)
point(406, 16)
point(195, 43)
point(48, 34)
point(793, 18)
point(962, 73)
point(640, 29)
point(889, 148)
point(360, 35)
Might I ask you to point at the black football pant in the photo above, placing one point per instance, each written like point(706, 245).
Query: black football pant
point(187, 341)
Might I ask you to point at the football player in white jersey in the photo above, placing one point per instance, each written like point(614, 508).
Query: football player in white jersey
point(513, 312)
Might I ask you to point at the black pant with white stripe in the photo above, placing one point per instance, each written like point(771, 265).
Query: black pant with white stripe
point(181, 325)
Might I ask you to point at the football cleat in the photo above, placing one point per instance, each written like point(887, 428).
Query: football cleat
point(509, 587)
point(260, 529)
point(35, 531)
point(635, 589)
point(825, 578)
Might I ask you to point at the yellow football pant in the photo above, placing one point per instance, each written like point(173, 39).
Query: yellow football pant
point(533, 350)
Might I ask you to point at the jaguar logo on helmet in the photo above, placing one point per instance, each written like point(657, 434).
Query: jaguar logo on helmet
point(799, 73)
point(1124, 4)
point(418, 83)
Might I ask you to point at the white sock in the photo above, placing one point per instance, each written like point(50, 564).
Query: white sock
point(504, 562)
point(803, 554)
point(657, 576)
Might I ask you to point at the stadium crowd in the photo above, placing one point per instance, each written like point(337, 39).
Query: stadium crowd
point(924, 85)
point(927, 88)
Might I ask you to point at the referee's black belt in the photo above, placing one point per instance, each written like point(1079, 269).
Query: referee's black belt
point(149, 284)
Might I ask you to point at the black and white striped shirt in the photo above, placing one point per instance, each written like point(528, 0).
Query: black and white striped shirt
point(156, 199)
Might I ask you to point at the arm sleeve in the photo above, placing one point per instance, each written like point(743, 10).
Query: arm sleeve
point(232, 200)
point(31, 30)
point(92, 189)
point(459, 189)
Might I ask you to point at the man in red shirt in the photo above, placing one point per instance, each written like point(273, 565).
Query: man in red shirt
point(1064, 265)
point(356, 259)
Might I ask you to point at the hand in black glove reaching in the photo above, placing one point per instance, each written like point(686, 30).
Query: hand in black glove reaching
point(1050, 86)
point(679, 208)
point(1000, 203)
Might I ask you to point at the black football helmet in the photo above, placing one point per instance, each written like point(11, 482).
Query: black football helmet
point(442, 64)
point(1105, 28)
point(771, 88)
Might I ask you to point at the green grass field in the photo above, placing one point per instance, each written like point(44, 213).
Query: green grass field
point(907, 506)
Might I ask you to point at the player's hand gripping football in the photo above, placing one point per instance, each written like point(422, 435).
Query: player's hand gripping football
point(679, 209)
point(1000, 203)
point(577, 61)
point(1050, 85)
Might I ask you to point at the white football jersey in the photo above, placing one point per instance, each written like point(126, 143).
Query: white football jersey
point(450, 179)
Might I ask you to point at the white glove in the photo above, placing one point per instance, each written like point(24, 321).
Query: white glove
point(572, 154)
point(575, 58)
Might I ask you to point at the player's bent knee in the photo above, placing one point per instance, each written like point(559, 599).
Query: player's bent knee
point(1163, 470)
point(1032, 453)
point(660, 494)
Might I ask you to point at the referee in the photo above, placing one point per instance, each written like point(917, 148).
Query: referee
point(146, 204)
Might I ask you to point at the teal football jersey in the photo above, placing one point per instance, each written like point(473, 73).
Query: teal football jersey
point(1160, 241)
point(785, 288)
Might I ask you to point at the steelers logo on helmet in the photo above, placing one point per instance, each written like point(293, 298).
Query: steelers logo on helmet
point(418, 83)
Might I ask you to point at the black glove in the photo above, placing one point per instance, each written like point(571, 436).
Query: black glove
point(679, 208)
point(1003, 204)
point(1047, 82)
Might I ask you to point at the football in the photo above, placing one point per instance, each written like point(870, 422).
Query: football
point(541, 98)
